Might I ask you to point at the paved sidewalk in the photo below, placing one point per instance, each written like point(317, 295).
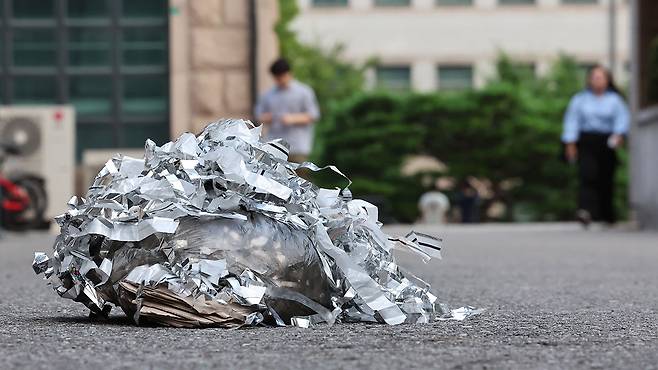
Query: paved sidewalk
point(556, 297)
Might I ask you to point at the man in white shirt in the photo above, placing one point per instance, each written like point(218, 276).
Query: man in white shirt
point(289, 110)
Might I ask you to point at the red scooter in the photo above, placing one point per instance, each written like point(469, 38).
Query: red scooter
point(23, 198)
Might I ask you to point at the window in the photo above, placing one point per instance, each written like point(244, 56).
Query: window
point(392, 2)
point(89, 46)
point(322, 3)
point(144, 8)
point(91, 95)
point(454, 2)
point(139, 132)
point(85, 9)
point(455, 77)
point(107, 58)
point(396, 78)
point(144, 95)
point(516, 2)
point(97, 135)
point(34, 47)
point(33, 9)
point(144, 46)
point(34, 90)
point(527, 69)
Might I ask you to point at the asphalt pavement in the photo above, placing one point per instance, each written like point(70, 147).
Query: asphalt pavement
point(556, 297)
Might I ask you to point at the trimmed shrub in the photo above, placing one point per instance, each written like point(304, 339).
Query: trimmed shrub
point(507, 133)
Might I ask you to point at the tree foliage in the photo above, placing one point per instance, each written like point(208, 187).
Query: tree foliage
point(506, 133)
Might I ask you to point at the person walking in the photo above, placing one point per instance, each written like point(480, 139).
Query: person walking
point(289, 111)
point(595, 125)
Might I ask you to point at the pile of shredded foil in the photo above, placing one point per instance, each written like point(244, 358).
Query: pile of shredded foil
point(219, 230)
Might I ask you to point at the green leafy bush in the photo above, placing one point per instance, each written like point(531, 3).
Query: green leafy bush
point(506, 133)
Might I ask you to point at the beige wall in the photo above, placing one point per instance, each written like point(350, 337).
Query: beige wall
point(425, 35)
point(210, 59)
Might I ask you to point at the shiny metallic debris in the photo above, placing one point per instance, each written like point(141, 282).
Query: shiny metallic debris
point(218, 230)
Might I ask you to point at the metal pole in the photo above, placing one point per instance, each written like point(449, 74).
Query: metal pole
point(635, 59)
point(635, 168)
point(253, 52)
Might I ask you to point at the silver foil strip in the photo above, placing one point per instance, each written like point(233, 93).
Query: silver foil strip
point(218, 230)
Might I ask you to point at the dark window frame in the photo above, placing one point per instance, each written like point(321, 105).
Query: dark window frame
point(454, 3)
point(115, 22)
point(330, 4)
point(385, 4)
point(579, 2)
point(456, 66)
point(406, 68)
point(517, 2)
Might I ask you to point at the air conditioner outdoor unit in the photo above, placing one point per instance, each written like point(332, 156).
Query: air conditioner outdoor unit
point(45, 137)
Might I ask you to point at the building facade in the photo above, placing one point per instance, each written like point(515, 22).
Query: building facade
point(136, 69)
point(220, 51)
point(426, 45)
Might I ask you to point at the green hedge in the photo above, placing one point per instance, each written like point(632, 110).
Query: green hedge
point(508, 132)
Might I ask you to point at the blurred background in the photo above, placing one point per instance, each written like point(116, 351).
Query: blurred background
point(453, 104)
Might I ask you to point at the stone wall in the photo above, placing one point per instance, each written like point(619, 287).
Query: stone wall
point(210, 59)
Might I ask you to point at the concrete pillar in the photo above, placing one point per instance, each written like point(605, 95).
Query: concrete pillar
point(268, 43)
point(301, 4)
point(549, 3)
point(483, 70)
point(485, 4)
point(644, 130)
point(210, 60)
point(423, 4)
point(370, 77)
point(423, 76)
point(361, 4)
point(179, 75)
point(543, 67)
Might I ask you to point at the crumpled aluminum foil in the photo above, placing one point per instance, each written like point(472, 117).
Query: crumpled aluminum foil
point(218, 230)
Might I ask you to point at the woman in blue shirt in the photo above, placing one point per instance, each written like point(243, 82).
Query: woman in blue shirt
point(594, 127)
